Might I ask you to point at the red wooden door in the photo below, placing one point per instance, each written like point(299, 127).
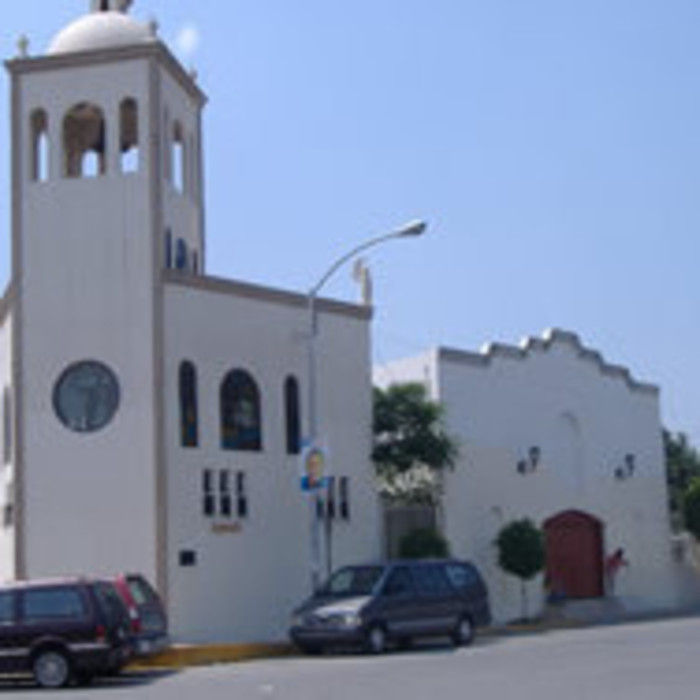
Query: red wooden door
point(575, 555)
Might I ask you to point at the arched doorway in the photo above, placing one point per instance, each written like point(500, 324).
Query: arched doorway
point(574, 542)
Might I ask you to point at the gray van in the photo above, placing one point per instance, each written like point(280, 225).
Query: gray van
point(373, 605)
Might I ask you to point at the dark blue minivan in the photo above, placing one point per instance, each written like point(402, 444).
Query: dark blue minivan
point(372, 605)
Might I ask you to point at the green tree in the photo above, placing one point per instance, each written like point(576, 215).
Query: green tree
point(682, 466)
point(521, 553)
point(691, 508)
point(408, 431)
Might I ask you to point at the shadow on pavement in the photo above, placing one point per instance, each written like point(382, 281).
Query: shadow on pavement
point(130, 679)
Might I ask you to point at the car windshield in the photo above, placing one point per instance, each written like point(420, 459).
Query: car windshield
point(353, 581)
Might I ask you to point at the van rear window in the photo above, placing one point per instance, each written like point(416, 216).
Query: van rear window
point(53, 604)
point(141, 591)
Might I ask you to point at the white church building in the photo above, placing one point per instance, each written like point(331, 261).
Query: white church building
point(548, 430)
point(152, 415)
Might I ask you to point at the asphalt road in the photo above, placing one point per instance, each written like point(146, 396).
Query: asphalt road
point(644, 661)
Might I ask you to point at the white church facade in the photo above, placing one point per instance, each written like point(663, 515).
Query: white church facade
point(548, 430)
point(152, 415)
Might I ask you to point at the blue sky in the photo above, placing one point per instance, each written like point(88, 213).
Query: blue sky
point(553, 145)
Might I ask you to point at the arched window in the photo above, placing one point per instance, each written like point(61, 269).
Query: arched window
point(240, 412)
point(84, 146)
point(40, 146)
point(189, 430)
point(129, 135)
point(181, 254)
point(6, 426)
point(178, 164)
point(292, 418)
point(168, 249)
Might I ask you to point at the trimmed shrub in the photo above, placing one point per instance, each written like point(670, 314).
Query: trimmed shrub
point(423, 544)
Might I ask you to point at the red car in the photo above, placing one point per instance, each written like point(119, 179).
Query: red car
point(149, 623)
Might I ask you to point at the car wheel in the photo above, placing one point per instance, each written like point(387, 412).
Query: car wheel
point(375, 640)
point(463, 634)
point(51, 669)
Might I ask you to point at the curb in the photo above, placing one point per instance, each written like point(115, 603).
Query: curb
point(183, 656)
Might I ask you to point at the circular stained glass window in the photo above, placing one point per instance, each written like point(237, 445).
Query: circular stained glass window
point(86, 396)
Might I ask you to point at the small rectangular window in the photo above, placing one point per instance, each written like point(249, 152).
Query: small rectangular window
point(188, 557)
point(241, 495)
point(208, 502)
point(225, 493)
point(344, 497)
point(330, 498)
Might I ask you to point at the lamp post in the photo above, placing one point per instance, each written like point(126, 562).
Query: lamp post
point(410, 230)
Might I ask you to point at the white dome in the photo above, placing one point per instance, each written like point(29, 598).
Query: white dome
point(100, 30)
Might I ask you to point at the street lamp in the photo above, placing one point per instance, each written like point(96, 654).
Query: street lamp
point(410, 230)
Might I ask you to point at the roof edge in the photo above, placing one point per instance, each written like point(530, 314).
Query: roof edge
point(155, 49)
point(493, 351)
point(219, 285)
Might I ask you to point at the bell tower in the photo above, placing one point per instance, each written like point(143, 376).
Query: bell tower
point(106, 194)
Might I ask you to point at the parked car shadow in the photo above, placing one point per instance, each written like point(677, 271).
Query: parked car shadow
point(129, 679)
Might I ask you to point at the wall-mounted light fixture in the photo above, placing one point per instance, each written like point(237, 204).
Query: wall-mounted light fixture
point(627, 469)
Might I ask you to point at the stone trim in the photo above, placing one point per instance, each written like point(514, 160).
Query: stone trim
point(155, 49)
point(274, 296)
point(529, 345)
point(6, 302)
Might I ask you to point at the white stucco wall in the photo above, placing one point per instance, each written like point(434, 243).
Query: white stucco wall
point(584, 421)
point(246, 584)
point(86, 294)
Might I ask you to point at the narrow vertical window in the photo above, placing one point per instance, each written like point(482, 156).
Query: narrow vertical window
point(330, 498)
point(178, 164)
point(6, 426)
point(195, 262)
point(344, 497)
point(129, 135)
point(224, 493)
point(292, 418)
point(84, 146)
point(208, 502)
point(241, 496)
point(241, 427)
point(181, 254)
point(168, 249)
point(189, 428)
point(191, 170)
point(40, 146)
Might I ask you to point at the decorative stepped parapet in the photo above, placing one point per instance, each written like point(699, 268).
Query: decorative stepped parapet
point(529, 345)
